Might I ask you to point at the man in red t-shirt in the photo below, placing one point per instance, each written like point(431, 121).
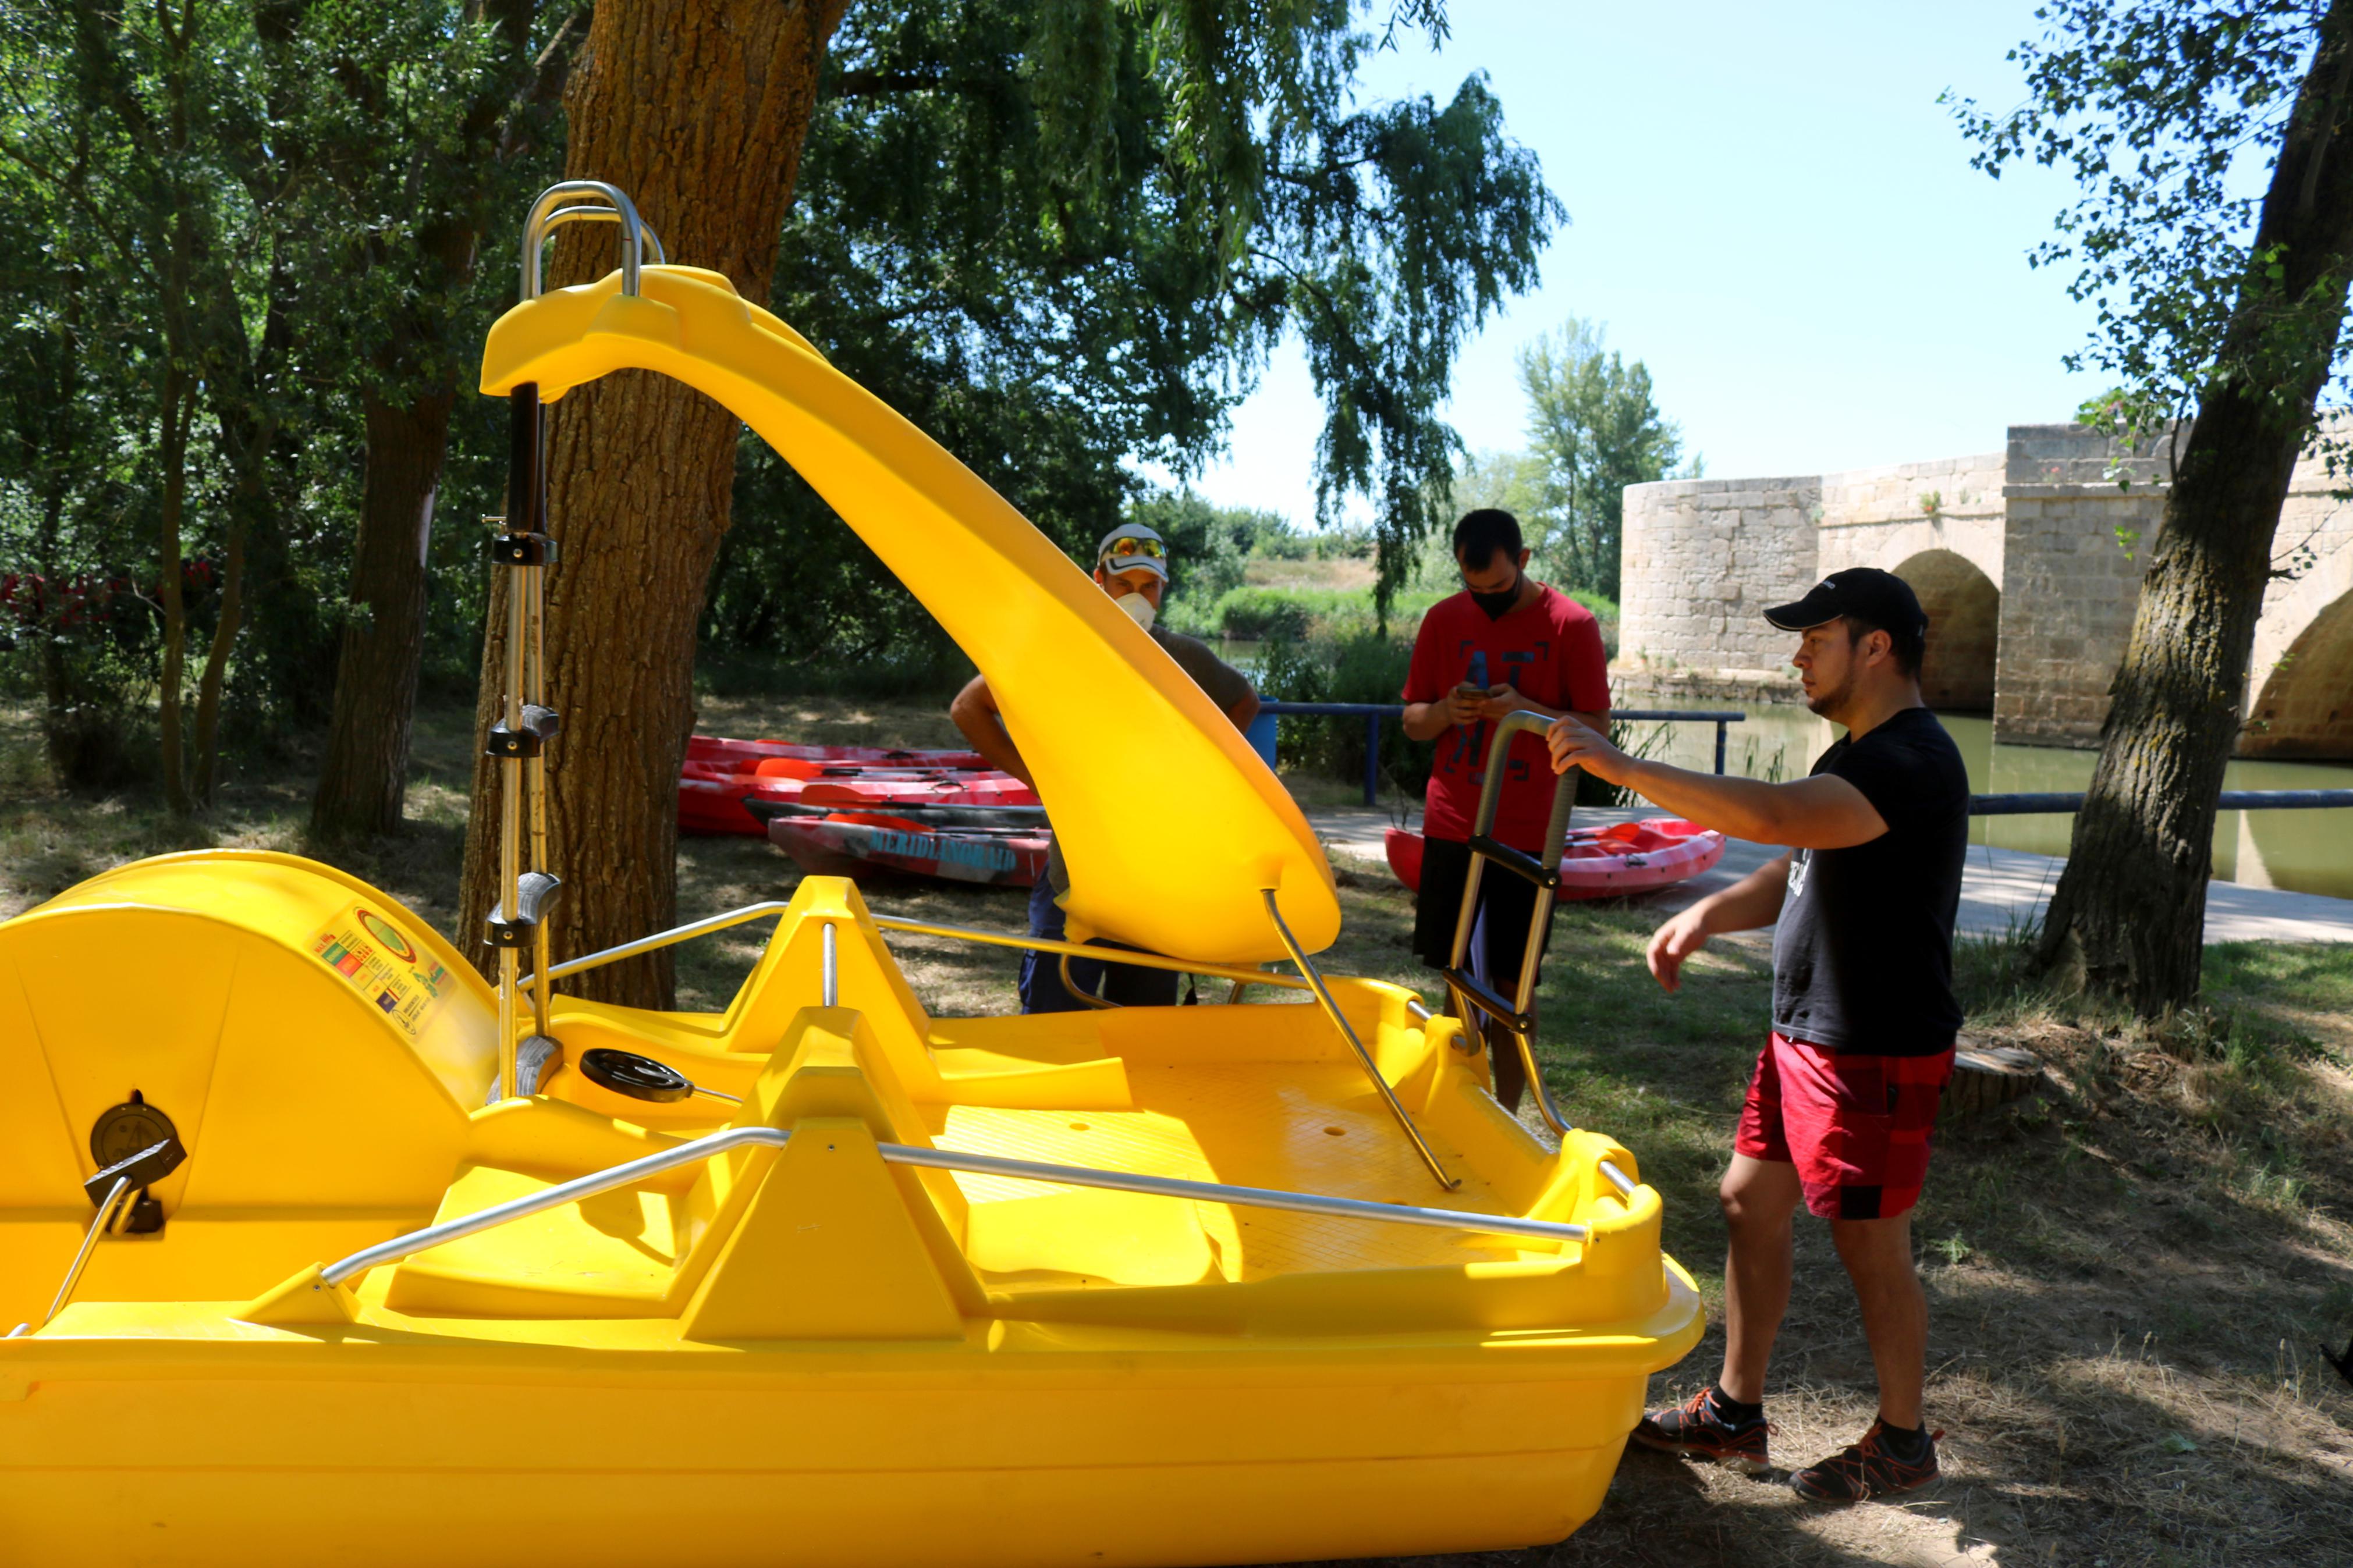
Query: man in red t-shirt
point(1505, 644)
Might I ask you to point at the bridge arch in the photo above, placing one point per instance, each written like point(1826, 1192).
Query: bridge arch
point(2305, 707)
point(1963, 608)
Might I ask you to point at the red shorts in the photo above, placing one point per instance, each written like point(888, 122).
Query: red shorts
point(1855, 1126)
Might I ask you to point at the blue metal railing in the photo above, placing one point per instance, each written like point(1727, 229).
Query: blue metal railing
point(2024, 805)
point(1372, 713)
point(2231, 800)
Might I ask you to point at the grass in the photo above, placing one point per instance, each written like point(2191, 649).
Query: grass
point(2127, 1275)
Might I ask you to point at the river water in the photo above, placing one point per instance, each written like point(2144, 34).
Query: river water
point(2309, 851)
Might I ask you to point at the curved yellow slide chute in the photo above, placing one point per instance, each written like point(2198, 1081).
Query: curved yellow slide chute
point(1171, 825)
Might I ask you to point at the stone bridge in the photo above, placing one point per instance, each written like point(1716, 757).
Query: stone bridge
point(2027, 561)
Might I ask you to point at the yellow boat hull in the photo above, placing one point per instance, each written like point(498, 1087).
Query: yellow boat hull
point(794, 1353)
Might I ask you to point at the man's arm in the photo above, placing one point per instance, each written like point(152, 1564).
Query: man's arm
point(976, 716)
point(1754, 900)
point(1427, 720)
point(1820, 813)
point(1244, 710)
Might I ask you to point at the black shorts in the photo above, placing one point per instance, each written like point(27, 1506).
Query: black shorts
point(1507, 900)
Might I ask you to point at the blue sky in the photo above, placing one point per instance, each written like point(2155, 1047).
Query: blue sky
point(1769, 207)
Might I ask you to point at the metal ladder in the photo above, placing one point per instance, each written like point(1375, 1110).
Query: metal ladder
point(1469, 998)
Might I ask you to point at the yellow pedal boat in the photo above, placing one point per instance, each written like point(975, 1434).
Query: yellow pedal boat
point(322, 1246)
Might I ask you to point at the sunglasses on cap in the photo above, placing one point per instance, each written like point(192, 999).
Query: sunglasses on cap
point(1130, 548)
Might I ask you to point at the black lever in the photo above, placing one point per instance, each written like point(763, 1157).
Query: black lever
point(145, 1169)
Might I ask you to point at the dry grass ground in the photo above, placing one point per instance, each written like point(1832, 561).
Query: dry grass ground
point(2128, 1275)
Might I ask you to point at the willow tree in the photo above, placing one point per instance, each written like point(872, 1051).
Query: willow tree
point(427, 119)
point(1059, 234)
point(2219, 304)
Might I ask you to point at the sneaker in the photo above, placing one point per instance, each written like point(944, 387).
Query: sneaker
point(1865, 1470)
point(1697, 1431)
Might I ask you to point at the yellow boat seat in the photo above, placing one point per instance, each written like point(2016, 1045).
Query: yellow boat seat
point(646, 1251)
point(936, 1061)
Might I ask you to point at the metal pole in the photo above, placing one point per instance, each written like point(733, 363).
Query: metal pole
point(720, 1143)
point(1722, 729)
point(536, 772)
point(828, 971)
point(89, 1239)
point(1222, 1193)
point(750, 912)
point(1372, 759)
point(1372, 1070)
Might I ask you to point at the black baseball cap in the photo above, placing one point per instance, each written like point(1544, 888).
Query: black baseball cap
point(1877, 598)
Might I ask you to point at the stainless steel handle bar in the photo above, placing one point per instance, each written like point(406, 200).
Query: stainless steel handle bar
point(720, 1143)
point(73, 1274)
point(587, 1186)
point(750, 912)
point(635, 234)
point(669, 938)
point(1364, 1058)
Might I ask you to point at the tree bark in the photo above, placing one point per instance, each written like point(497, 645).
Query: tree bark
point(209, 684)
point(363, 781)
point(699, 111)
point(178, 401)
point(2129, 910)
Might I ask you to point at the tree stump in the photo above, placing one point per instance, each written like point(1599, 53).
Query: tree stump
point(1986, 1078)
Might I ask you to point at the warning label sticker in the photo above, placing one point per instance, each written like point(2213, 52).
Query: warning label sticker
point(385, 965)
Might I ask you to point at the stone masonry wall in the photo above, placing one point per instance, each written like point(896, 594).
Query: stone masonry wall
point(1702, 559)
point(2302, 672)
point(2076, 542)
point(2033, 557)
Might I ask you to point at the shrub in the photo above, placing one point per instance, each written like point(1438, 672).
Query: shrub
point(1358, 667)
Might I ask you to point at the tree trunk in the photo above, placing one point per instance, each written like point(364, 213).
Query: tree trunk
point(698, 111)
point(364, 779)
point(209, 684)
point(2129, 910)
point(178, 401)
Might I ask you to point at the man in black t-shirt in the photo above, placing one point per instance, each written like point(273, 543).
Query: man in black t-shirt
point(1845, 1092)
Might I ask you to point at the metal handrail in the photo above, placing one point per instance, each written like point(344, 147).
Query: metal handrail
point(636, 235)
point(1364, 1058)
point(669, 938)
point(587, 1186)
point(727, 1139)
point(1483, 824)
point(1104, 954)
point(1416, 1009)
point(97, 1227)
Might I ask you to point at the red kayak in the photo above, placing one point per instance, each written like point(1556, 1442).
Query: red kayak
point(719, 752)
point(720, 773)
point(857, 844)
point(1600, 862)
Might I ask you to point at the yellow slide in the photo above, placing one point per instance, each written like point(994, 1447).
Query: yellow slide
point(1171, 825)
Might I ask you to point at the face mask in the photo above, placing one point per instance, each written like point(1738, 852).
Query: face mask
point(1499, 604)
point(1139, 609)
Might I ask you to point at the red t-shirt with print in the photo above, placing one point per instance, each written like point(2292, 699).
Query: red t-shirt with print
point(1549, 649)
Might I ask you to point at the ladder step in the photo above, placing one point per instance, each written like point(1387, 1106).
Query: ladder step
point(1517, 861)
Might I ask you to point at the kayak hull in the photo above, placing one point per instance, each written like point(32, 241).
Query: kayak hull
point(1600, 862)
point(864, 845)
point(719, 774)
